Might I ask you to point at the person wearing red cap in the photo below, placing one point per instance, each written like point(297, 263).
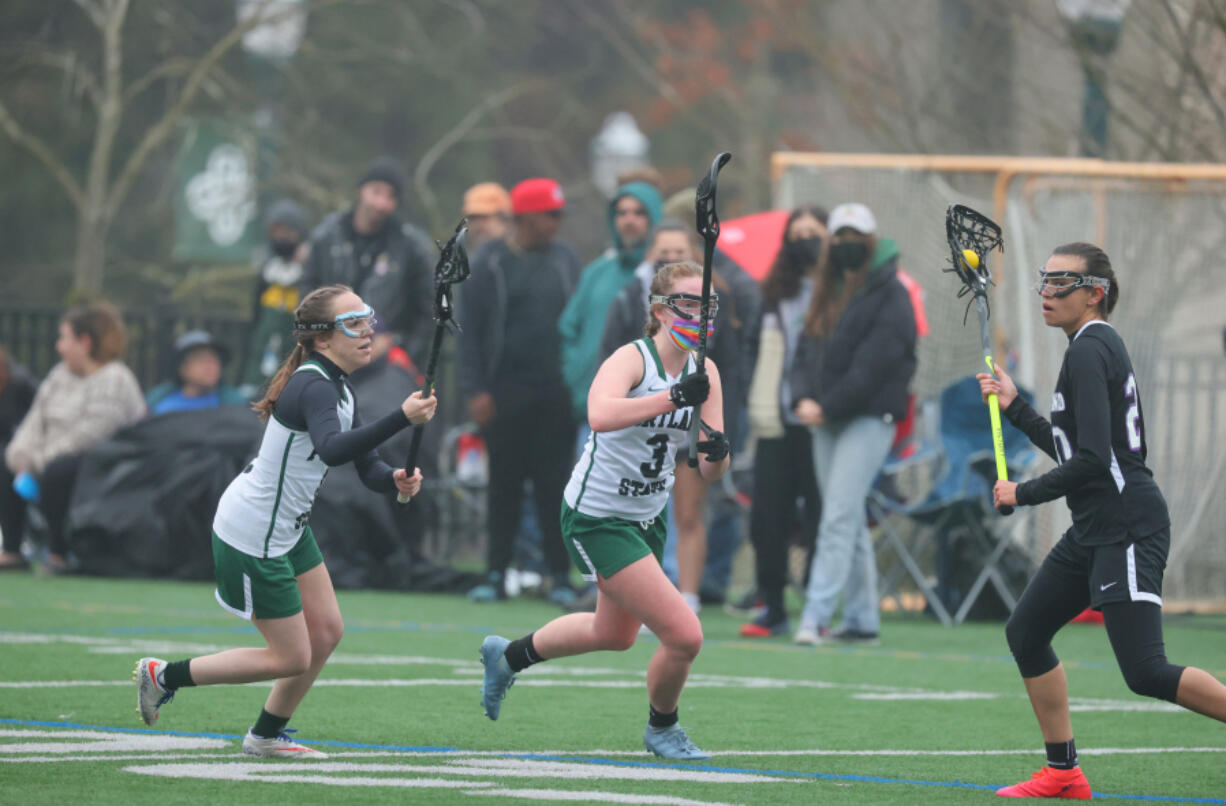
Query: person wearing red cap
point(511, 377)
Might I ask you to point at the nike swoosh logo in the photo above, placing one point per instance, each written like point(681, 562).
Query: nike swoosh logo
point(1104, 587)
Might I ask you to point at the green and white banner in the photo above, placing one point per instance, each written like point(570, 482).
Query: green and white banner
point(215, 197)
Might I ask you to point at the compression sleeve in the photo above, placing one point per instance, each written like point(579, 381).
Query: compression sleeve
point(1032, 424)
point(373, 471)
point(315, 400)
point(1091, 407)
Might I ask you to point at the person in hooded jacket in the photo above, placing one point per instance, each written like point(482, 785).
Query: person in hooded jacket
point(850, 380)
point(633, 211)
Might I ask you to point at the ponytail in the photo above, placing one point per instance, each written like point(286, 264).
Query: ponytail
point(315, 308)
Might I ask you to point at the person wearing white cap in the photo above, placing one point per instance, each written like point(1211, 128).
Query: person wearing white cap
point(850, 379)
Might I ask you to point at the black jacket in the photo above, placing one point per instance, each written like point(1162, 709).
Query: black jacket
point(401, 290)
point(482, 311)
point(865, 365)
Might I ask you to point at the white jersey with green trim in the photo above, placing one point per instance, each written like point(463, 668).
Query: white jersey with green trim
point(629, 473)
point(266, 507)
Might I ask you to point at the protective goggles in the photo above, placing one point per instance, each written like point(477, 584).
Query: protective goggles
point(1060, 284)
point(355, 325)
point(687, 306)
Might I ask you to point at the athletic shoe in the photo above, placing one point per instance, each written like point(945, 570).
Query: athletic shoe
point(150, 694)
point(770, 623)
point(849, 636)
point(672, 742)
point(281, 746)
point(1049, 782)
point(498, 675)
point(811, 636)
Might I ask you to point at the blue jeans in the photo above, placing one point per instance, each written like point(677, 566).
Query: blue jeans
point(847, 457)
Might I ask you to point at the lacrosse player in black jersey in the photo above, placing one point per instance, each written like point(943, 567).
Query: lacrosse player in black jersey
point(1113, 556)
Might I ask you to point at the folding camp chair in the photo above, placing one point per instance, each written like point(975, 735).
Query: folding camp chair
point(958, 505)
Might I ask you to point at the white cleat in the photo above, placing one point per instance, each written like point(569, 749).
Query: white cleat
point(150, 695)
point(278, 747)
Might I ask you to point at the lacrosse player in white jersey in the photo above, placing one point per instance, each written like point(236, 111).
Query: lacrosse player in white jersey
point(268, 567)
point(640, 407)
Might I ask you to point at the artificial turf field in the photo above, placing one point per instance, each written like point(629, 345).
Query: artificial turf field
point(932, 716)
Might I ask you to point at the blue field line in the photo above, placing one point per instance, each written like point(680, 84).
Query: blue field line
point(818, 776)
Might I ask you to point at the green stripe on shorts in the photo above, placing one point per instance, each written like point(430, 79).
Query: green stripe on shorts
point(604, 546)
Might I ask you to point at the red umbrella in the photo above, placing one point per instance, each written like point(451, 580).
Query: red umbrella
point(753, 240)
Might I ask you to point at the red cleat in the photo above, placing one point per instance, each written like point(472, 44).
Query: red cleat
point(1049, 782)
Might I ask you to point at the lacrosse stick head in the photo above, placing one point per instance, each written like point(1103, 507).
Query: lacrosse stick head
point(452, 268)
point(708, 221)
point(972, 237)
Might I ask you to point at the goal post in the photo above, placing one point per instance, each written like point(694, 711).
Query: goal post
point(1164, 227)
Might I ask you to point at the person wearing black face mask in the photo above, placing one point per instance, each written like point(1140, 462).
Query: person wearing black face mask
point(276, 293)
point(851, 378)
point(783, 466)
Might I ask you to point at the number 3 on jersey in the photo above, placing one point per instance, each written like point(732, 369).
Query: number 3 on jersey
point(659, 444)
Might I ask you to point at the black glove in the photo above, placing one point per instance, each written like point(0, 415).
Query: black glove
point(690, 390)
point(716, 446)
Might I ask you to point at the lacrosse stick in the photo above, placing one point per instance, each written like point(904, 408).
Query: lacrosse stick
point(972, 237)
point(452, 267)
point(708, 228)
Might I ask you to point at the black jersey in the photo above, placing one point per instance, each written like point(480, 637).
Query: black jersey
point(1097, 436)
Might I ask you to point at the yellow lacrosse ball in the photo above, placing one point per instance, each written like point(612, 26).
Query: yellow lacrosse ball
point(971, 257)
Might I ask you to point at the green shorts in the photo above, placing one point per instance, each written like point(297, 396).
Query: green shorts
point(605, 546)
point(257, 587)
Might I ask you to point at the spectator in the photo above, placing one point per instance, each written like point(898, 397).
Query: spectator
point(510, 375)
point(85, 398)
point(633, 211)
point(387, 262)
point(276, 292)
point(850, 379)
point(487, 206)
point(17, 389)
point(198, 363)
point(783, 463)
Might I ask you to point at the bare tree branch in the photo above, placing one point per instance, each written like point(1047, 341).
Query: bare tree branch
point(43, 154)
point(175, 66)
point(433, 154)
point(157, 134)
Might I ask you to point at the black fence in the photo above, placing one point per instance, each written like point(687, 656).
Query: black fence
point(28, 333)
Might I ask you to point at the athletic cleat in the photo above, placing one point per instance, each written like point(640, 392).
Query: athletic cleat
point(672, 742)
point(498, 675)
point(280, 746)
point(1050, 782)
point(770, 623)
point(150, 695)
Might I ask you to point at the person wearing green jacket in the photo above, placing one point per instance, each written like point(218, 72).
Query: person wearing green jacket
point(633, 211)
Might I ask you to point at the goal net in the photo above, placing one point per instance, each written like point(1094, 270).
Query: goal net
point(1164, 227)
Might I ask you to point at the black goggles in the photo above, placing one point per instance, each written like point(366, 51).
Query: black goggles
point(1060, 284)
point(687, 306)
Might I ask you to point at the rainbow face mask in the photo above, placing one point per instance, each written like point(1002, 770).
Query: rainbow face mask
point(684, 333)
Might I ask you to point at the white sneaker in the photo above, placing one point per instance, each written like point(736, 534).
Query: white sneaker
point(811, 636)
point(278, 747)
point(150, 694)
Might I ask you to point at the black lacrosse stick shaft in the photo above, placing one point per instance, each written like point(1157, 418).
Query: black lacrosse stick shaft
point(708, 228)
point(452, 268)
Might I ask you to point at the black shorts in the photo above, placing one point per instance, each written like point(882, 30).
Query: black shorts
point(1129, 571)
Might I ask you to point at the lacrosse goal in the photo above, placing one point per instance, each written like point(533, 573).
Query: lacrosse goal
point(1164, 226)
